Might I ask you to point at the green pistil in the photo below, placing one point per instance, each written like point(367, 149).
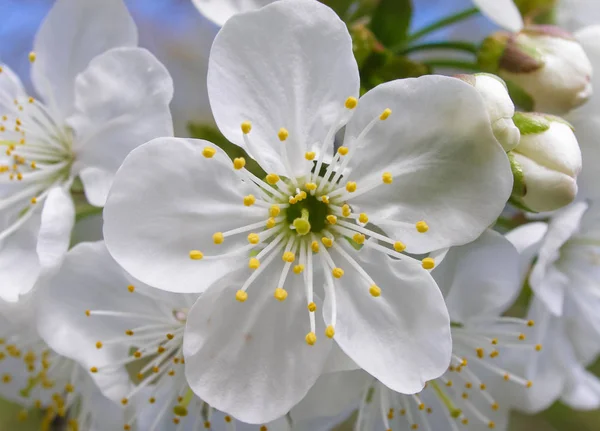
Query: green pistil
point(455, 412)
point(181, 408)
point(302, 224)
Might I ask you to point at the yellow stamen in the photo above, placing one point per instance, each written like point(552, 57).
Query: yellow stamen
point(330, 331)
point(314, 246)
point(273, 179)
point(346, 211)
point(218, 238)
point(327, 242)
point(310, 155)
point(246, 127)
point(311, 338)
point(274, 210)
point(343, 151)
point(288, 257)
point(241, 296)
point(385, 114)
point(298, 269)
point(422, 226)
point(351, 103)
point(209, 152)
point(283, 134)
point(358, 238)
point(312, 307)
point(375, 291)
point(239, 163)
point(254, 263)
point(387, 178)
point(351, 187)
point(280, 294)
point(196, 255)
point(253, 238)
point(428, 263)
point(363, 218)
point(337, 272)
point(249, 200)
point(331, 219)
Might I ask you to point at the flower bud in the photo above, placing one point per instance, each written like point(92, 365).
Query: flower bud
point(546, 69)
point(499, 107)
point(545, 164)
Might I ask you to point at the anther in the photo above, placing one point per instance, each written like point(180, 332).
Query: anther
point(351, 187)
point(270, 223)
point(253, 238)
point(288, 257)
point(538, 347)
point(529, 384)
point(422, 226)
point(530, 323)
point(314, 246)
point(399, 246)
point(311, 338)
point(218, 238)
point(93, 370)
point(363, 218)
point(274, 210)
point(254, 263)
point(298, 269)
point(343, 151)
point(227, 419)
point(131, 288)
point(310, 186)
point(387, 178)
point(196, 255)
point(32, 56)
point(330, 331)
point(358, 238)
point(375, 291)
point(351, 103)
point(310, 155)
point(327, 242)
point(385, 114)
point(337, 272)
point(280, 294)
point(249, 200)
point(241, 296)
point(273, 179)
point(325, 199)
point(312, 307)
point(428, 263)
point(239, 163)
point(98, 344)
point(283, 134)
point(331, 219)
point(346, 211)
point(34, 200)
point(124, 401)
point(209, 152)
point(246, 127)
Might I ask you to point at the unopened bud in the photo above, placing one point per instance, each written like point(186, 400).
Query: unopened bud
point(545, 65)
point(545, 164)
point(499, 106)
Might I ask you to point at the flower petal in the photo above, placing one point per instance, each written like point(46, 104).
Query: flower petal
point(483, 278)
point(219, 11)
point(168, 199)
point(527, 239)
point(402, 337)
point(11, 89)
point(583, 391)
point(502, 12)
point(295, 72)
point(121, 101)
point(251, 359)
point(438, 127)
point(73, 33)
point(58, 218)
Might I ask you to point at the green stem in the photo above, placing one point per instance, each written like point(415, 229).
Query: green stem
point(459, 46)
point(87, 210)
point(443, 23)
point(455, 64)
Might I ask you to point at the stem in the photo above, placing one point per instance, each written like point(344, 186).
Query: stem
point(459, 46)
point(443, 23)
point(87, 210)
point(455, 64)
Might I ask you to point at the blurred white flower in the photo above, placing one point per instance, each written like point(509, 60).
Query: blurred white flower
point(101, 97)
point(219, 11)
point(217, 228)
point(502, 12)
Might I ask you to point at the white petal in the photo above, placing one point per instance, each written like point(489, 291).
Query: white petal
point(527, 239)
point(438, 127)
point(96, 184)
point(219, 11)
point(91, 279)
point(485, 278)
point(168, 199)
point(11, 88)
point(58, 218)
point(251, 359)
point(121, 101)
point(583, 392)
point(546, 280)
point(402, 337)
point(73, 33)
point(502, 12)
point(295, 72)
point(19, 263)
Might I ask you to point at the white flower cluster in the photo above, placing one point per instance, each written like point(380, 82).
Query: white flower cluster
point(355, 258)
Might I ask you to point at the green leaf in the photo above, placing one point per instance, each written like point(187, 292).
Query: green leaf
point(212, 134)
point(391, 21)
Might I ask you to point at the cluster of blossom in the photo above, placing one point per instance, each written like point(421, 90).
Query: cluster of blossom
point(353, 260)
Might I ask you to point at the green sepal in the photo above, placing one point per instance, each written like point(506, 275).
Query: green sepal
point(531, 124)
point(491, 51)
point(520, 97)
point(519, 188)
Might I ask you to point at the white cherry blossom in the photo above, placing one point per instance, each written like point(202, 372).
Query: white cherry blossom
point(318, 226)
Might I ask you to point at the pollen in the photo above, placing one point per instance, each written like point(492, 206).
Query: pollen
point(337, 272)
point(241, 296)
point(346, 211)
point(330, 331)
point(538, 347)
point(325, 199)
point(273, 179)
point(239, 163)
point(131, 288)
point(88, 313)
point(124, 401)
point(227, 419)
point(280, 294)
point(331, 219)
point(311, 338)
point(310, 186)
point(385, 114)
point(93, 370)
point(363, 218)
point(351, 103)
point(271, 223)
point(342, 151)
point(310, 155)
point(422, 226)
point(314, 246)
point(375, 291)
point(327, 242)
point(249, 200)
point(98, 344)
point(34, 200)
point(32, 56)
point(283, 134)
point(253, 238)
point(522, 337)
point(288, 257)
point(399, 246)
point(254, 263)
point(298, 269)
point(428, 263)
point(246, 127)
point(209, 152)
point(358, 238)
point(491, 425)
point(387, 178)
point(274, 210)
point(218, 238)
point(312, 307)
point(529, 384)
point(196, 255)
point(530, 323)
point(351, 187)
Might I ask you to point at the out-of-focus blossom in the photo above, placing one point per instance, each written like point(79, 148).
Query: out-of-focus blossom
point(502, 12)
point(219, 11)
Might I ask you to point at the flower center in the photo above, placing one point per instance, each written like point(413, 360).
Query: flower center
point(308, 215)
